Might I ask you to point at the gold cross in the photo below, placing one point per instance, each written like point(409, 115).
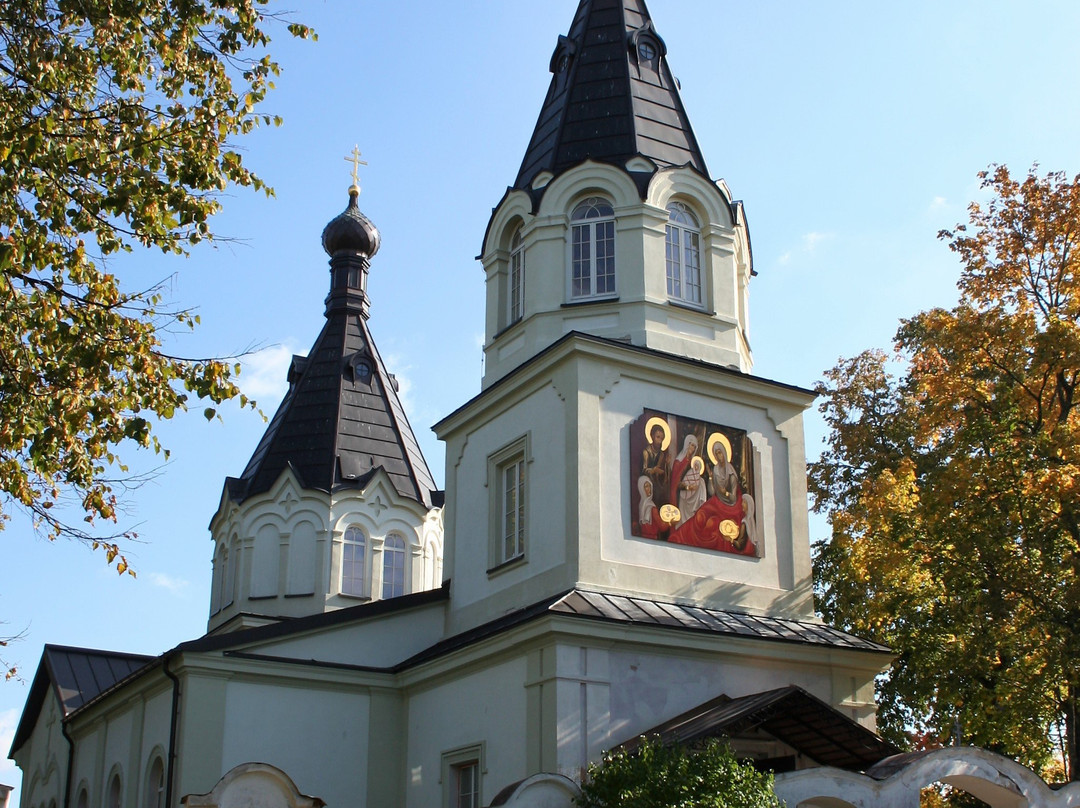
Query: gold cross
point(354, 158)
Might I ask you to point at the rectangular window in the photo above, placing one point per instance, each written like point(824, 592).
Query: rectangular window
point(581, 280)
point(692, 266)
point(467, 785)
point(674, 269)
point(462, 777)
point(516, 296)
point(513, 515)
point(605, 258)
point(508, 489)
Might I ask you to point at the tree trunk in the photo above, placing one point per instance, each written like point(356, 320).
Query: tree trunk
point(1072, 741)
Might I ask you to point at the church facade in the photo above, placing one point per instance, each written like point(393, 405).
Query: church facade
point(621, 548)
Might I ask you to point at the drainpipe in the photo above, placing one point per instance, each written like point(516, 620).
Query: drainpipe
point(173, 726)
point(70, 763)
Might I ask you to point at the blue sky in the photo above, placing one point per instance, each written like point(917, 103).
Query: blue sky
point(852, 131)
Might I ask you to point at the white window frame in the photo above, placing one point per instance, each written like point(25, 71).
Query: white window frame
point(592, 224)
point(352, 585)
point(390, 552)
point(454, 763)
point(683, 255)
point(516, 279)
point(508, 469)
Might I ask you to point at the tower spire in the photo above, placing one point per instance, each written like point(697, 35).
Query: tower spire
point(612, 97)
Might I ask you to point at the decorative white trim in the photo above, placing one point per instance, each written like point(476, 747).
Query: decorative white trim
point(253, 784)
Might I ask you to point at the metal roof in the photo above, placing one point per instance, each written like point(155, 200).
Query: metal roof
point(75, 675)
point(606, 101)
point(342, 418)
point(645, 611)
point(789, 714)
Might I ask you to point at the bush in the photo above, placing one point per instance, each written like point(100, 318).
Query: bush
point(656, 775)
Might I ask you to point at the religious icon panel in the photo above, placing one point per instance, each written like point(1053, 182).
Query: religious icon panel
point(694, 484)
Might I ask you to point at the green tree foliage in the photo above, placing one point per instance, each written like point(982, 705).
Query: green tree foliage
point(116, 128)
point(951, 481)
point(659, 776)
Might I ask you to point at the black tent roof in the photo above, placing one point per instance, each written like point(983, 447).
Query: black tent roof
point(612, 96)
point(342, 418)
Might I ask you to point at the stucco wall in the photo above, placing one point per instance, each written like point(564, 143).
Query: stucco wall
point(480, 706)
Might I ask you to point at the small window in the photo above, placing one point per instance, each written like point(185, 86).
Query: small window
point(114, 794)
point(354, 563)
point(155, 785)
point(462, 777)
point(83, 800)
point(683, 255)
point(592, 250)
point(517, 277)
point(466, 784)
point(512, 516)
point(508, 484)
point(393, 566)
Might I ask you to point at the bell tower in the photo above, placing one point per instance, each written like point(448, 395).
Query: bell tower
point(612, 226)
point(620, 443)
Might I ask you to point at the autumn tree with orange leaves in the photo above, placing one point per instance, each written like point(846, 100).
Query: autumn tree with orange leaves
point(951, 481)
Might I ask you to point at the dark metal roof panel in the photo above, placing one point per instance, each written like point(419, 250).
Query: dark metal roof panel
point(332, 419)
point(639, 610)
point(607, 106)
point(789, 714)
point(75, 676)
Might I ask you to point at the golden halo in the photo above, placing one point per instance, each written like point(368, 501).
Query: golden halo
point(670, 514)
point(698, 465)
point(658, 422)
point(721, 438)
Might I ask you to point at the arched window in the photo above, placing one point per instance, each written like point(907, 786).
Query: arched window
point(592, 250)
point(393, 566)
point(83, 800)
point(114, 794)
point(221, 572)
point(683, 255)
point(517, 277)
point(155, 785)
point(231, 566)
point(354, 563)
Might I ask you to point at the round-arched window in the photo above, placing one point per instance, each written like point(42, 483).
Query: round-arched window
point(114, 794)
point(155, 785)
point(354, 562)
point(517, 277)
point(592, 249)
point(683, 255)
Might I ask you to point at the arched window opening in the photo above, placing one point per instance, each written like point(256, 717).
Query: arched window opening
point(592, 259)
point(114, 794)
point(232, 563)
point(217, 597)
point(393, 566)
point(155, 785)
point(517, 277)
point(83, 800)
point(354, 563)
point(683, 255)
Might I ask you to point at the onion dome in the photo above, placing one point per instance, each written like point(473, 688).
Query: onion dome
point(351, 232)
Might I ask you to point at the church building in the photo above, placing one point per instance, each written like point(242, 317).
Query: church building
point(622, 546)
